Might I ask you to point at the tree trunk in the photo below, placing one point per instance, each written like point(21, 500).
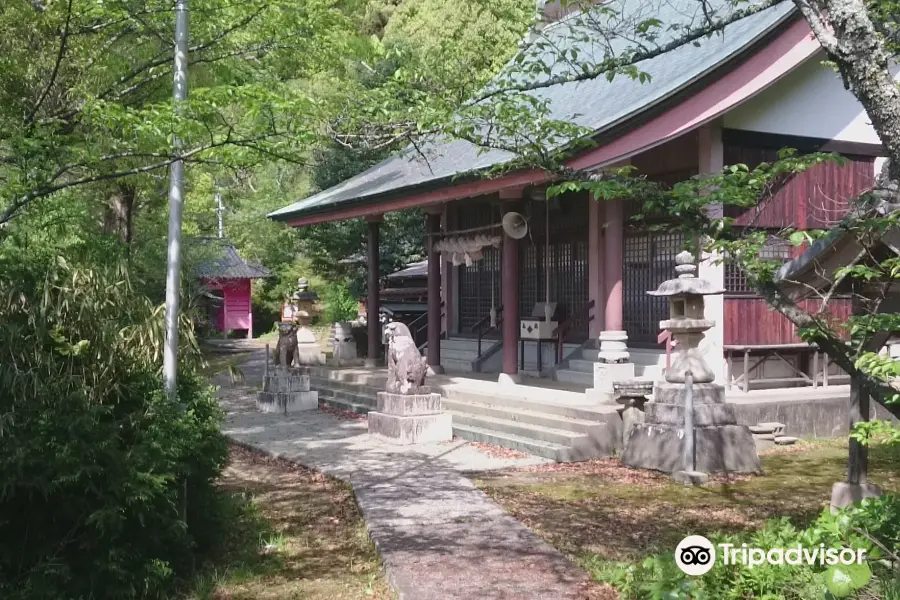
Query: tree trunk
point(119, 214)
point(851, 40)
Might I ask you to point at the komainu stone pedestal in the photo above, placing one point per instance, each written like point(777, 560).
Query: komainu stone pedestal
point(286, 391)
point(410, 419)
point(308, 351)
point(722, 446)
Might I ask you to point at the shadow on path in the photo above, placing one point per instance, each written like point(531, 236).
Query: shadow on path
point(439, 536)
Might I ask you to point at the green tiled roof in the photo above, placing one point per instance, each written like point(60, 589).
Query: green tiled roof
point(597, 104)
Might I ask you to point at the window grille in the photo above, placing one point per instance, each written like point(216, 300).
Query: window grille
point(649, 259)
point(775, 249)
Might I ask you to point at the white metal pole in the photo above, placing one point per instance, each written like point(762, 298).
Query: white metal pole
point(219, 210)
point(176, 204)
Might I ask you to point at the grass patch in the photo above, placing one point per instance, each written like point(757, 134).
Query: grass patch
point(219, 362)
point(600, 511)
point(295, 534)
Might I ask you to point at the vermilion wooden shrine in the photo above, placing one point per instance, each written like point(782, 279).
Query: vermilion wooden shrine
point(735, 98)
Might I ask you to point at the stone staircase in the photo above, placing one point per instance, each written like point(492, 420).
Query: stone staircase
point(458, 355)
point(518, 421)
point(541, 427)
point(579, 368)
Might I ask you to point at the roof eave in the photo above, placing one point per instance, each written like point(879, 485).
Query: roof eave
point(599, 136)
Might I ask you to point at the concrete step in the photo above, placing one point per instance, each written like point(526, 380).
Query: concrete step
point(356, 402)
point(465, 343)
point(333, 384)
point(579, 377)
point(460, 354)
point(521, 415)
point(344, 405)
point(639, 356)
point(513, 402)
point(651, 372)
point(453, 365)
point(582, 365)
point(518, 428)
point(557, 452)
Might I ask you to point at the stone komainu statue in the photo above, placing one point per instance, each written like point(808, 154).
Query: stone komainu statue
point(286, 348)
point(406, 367)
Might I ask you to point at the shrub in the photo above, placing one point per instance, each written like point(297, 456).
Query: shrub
point(340, 305)
point(874, 526)
point(94, 458)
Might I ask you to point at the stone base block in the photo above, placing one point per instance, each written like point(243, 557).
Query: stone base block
point(345, 351)
point(720, 449)
point(408, 405)
point(405, 430)
point(844, 494)
point(673, 393)
point(705, 415)
point(286, 382)
point(287, 402)
point(631, 416)
point(311, 355)
point(690, 477)
point(606, 373)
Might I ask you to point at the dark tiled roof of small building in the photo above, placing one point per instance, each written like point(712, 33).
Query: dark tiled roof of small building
point(597, 104)
point(416, 269)
point(219, 259)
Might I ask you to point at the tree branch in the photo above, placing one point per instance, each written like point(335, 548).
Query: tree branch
point(63, 43)
point(609, 65)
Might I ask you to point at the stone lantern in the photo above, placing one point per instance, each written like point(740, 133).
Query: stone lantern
point(657, 443)
point(303, 302)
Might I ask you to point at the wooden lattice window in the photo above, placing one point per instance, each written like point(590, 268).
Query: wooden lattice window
point(476, 281)
point(775, 249)
point(649, 259)
point(568, 277)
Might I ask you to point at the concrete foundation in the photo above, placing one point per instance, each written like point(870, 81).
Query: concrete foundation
point(287, 402)
point(720, 449)
point(418, 429)
point(410, 419)
point(722, 446)
point(286, 391)
point(844, 494)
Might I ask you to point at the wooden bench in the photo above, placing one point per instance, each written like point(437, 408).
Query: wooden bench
point(817, 376)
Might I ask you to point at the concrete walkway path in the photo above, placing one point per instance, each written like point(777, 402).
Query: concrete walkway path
point(439, 536)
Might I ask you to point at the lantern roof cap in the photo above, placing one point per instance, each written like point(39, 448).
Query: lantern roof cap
point(687, 283)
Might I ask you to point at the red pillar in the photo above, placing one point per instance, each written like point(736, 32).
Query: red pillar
point(433, 226)
point(374, 305)
point(612, 266)
point(509, 283)
point(596, 291)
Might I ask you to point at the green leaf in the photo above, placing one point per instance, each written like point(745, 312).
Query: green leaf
point(843, 580)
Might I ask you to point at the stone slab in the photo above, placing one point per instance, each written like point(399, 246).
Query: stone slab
point(844, 494)
point(284, 382)
point(673, 393)
point(405, 430)
point(720, 449)
point(704, 414)
point(408, 405)
point(786, 440)
point(287, 402)
point(690, 477)
point(761, 429)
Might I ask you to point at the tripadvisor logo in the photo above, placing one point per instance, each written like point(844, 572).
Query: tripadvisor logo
point(695, 555)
